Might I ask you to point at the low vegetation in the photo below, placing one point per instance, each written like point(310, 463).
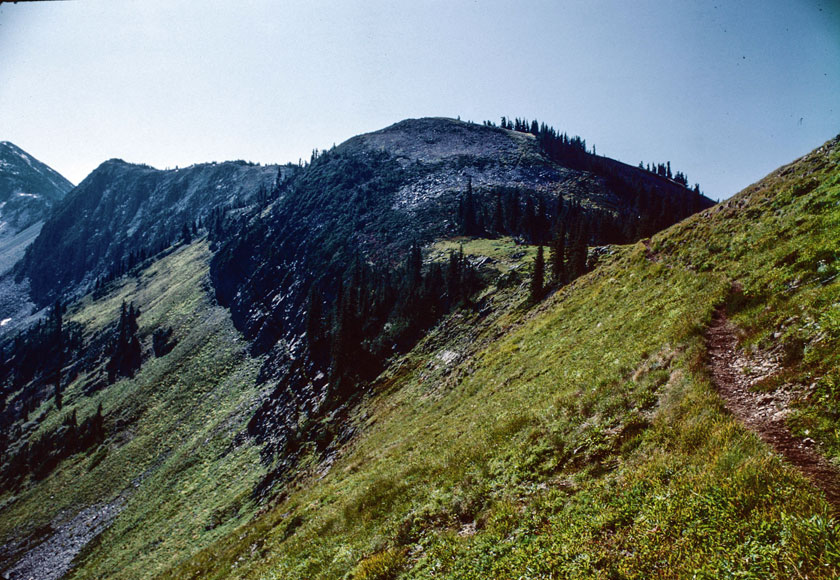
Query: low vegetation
point(170, 444)
point(582, 437)
point(572, 432)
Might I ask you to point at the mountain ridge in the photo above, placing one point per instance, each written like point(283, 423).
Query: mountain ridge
point(357, 209)
point(28, 190)
point(574, 432)
point(583, 438)
point(123, 212)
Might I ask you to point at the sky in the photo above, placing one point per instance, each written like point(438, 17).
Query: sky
point(725, 90)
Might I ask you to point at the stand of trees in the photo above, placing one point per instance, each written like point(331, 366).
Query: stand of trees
point(651, 189)
point(376, 314)
point(39, 457)
point(37, 356)
point(125, 352)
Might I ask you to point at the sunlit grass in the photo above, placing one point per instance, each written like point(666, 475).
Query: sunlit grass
point(581, 438)
point(172, 429)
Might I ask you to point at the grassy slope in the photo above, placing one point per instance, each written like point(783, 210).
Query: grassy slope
point(172, 428)
point(583, 438)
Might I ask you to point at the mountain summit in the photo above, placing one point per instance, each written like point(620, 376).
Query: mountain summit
point(378, 193)
point(28, 188)
point(345, 226)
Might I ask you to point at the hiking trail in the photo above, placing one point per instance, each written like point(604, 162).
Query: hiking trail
point(733, 372)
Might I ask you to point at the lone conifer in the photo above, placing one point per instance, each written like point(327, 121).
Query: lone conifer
point(538, 277)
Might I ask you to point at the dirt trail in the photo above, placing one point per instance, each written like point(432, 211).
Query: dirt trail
point(649, 253)
point(763, 413)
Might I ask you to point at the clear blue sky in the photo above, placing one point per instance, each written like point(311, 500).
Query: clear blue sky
point(725, 90)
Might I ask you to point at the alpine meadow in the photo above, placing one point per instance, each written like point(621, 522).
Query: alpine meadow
point(445, 348)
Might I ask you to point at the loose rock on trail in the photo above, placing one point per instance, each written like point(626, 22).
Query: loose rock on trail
point(763, 413)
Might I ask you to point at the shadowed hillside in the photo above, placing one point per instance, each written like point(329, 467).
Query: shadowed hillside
point(123, 213)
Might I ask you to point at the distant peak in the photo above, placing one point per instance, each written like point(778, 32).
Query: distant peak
point(428, 122)
point(118, 163)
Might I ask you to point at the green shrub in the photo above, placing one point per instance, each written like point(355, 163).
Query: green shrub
point(384, 565)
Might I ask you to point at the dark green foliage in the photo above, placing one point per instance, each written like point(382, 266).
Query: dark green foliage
point(31, 365)
point(579, 250)
point(537, 288)
point(652, 190)
point(59, 351)
point(469, 217)
point(126, 354)
point(378, 314)
point(39, 457)
point(498, 216)
point(557, 255)
point(161, 341)
point(186, 234)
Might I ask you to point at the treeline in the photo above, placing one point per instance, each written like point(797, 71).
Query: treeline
point(651, 190)
point(218, 225)
point(357, 320)
point(39, 457)
point(126, 354)
point(39, 363)
point(378, 313)
point(560, 146)
point(125, 263)
point(664, 170)
point(533, 217)
point(568, 256)
point(37, 356)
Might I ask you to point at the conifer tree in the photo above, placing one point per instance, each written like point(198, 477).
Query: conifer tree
point(415, 265)
point(498, 216)
point(538, 277)
point(469, 216)
point(454, 278)
point(579, 251)
point(512, 212)
point(529, 219)
point(541, 225)
point(126, 353)
point(59, 351)
point(557, 255)
point(186, 235)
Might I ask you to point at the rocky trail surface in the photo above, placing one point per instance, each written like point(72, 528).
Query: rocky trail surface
point(734, 373)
